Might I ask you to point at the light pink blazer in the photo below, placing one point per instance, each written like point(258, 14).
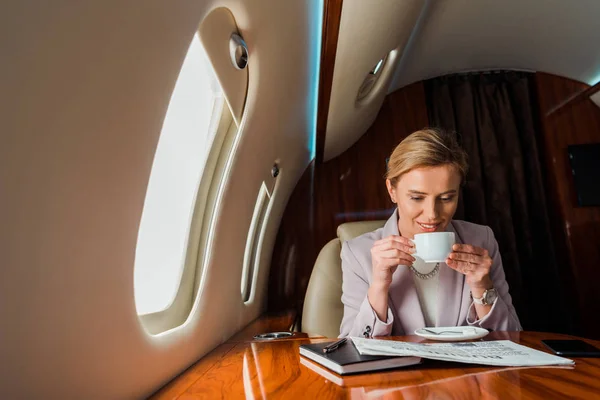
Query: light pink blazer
point(454, 304)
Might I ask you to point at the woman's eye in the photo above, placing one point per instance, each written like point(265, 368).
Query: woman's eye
point(416, 198)
point(447, 199)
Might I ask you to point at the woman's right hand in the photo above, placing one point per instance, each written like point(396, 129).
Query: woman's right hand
point(386, 255)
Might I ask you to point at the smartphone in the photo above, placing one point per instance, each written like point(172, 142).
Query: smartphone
point(572, 348)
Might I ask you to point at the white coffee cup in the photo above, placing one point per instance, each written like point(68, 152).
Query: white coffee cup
point(434, 246)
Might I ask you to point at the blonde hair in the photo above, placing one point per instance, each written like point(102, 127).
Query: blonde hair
point(426, 148)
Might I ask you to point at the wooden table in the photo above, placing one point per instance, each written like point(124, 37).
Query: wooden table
point(260, 370)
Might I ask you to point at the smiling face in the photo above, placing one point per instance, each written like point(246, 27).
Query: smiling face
point(427, 198)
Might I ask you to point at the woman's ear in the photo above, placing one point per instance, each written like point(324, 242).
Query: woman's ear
point(391, 190)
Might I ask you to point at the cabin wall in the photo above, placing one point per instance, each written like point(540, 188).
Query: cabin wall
point(84, 90)
point(577, 229)
point(350, 187)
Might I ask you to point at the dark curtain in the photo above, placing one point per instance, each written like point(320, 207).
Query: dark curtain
point(494, 118)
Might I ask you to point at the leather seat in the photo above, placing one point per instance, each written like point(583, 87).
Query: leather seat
point(323, 308)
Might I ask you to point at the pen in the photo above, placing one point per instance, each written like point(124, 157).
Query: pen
point(333, 346)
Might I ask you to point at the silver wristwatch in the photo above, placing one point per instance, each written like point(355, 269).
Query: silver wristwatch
point(489, 297)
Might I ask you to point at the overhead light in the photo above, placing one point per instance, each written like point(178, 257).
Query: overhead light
point(375, 70)
point(370, 79)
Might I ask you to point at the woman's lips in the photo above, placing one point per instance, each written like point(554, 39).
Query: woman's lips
point(428, 227)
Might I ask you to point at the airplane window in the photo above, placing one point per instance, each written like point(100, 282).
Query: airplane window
point(185, 140)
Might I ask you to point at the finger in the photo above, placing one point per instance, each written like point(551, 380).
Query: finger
point(389, 245)
point(401, 239)
point(390, 264)
point(467, 248)
point(381, 243)
point(403, 247)
point(452, 264)
point(470, 258)
point(387, 242)
point(379, 247)
point(395, 253)
point(461, 266)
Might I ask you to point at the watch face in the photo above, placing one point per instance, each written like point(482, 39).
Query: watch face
point(490, 296)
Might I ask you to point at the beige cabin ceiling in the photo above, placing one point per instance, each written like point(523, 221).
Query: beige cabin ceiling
point(555, 36)
point(450, 36)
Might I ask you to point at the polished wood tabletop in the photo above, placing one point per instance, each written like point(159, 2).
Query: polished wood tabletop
point(274, 370)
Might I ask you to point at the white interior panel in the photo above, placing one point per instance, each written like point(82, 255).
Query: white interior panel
point(369, 31)
point(85, 88)
point(215, 32)
point(555, 36)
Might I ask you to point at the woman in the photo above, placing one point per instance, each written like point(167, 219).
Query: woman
point(387, 291)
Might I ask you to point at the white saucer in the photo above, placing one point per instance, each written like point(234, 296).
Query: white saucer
point(462, 333)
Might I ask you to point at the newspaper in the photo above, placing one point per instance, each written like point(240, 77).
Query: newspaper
point(497, 352)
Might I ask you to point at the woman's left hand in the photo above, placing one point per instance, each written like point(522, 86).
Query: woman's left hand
point(472, 261)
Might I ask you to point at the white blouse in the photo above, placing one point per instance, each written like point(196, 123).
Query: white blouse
point(427, 289)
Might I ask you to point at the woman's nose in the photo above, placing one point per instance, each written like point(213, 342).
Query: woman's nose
point(431, 212)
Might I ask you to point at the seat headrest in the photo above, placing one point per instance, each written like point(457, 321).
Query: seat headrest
point(323, 308)
point(350, 230)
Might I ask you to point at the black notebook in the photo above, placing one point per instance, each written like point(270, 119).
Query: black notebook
point(347, 360)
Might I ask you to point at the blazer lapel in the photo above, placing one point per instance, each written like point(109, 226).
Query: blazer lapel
point(450, 292)
point(403, 297)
